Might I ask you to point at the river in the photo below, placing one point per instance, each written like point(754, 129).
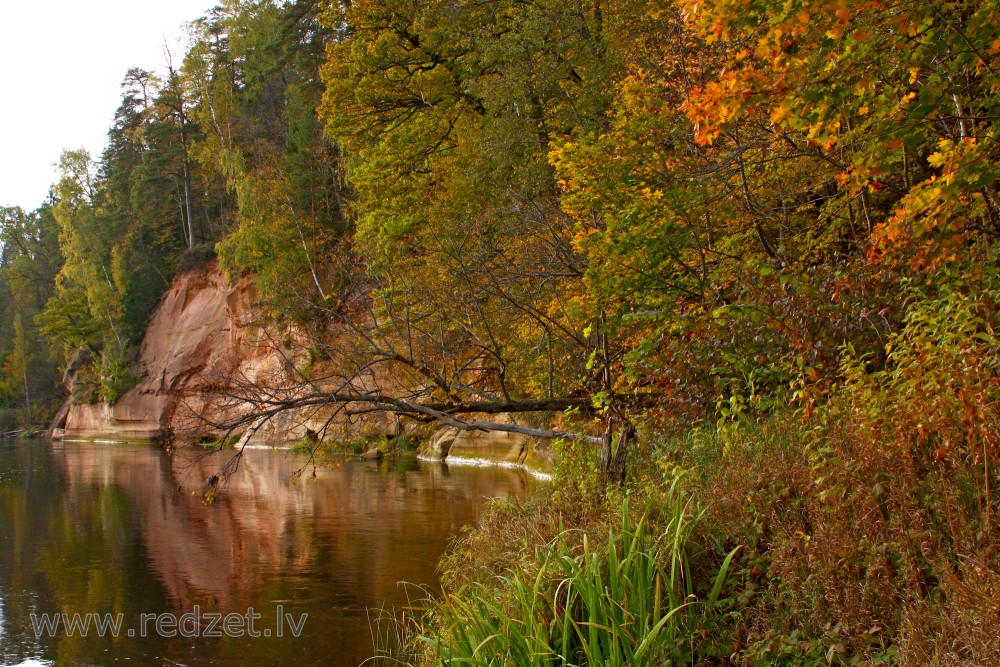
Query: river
point(119, 531)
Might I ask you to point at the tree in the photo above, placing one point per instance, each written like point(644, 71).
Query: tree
point(29, 377)
point(119, 230)
point(462, 283)
point(254, 72)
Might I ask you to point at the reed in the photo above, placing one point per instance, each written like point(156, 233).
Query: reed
point(628, 601)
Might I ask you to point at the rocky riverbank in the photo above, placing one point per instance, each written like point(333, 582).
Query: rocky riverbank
point(205, 332)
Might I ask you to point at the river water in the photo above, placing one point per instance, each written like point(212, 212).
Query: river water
point(119, 530)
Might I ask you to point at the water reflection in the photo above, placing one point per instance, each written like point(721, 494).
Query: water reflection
point(118, 529)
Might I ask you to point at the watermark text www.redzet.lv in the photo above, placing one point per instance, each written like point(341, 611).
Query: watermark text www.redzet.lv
point(188, 625)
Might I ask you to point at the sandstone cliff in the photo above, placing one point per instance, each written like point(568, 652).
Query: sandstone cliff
point(201, 333)
point(204, 332)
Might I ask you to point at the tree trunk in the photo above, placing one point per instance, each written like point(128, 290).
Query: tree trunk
point(187, 188)
point(614, 450)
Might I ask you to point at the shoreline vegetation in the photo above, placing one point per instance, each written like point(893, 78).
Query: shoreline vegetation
point(736, 260)
point(840, 537)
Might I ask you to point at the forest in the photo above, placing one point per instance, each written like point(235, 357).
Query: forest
point(737, 259)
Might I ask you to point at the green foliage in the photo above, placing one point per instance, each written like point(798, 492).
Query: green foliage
point(230, 140)
point(577, 473)
point(29, 375)
point(119, 232)
point(448, 114)
point(939, 388)
point(625, 600)
point(225, 443)
point(254, 68)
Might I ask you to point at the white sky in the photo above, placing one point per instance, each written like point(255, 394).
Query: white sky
point(61, 67)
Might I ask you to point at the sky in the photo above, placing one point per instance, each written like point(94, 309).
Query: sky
point(61, 67)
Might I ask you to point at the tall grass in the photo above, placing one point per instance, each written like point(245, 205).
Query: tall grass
point(393, 634)
point(631, 601)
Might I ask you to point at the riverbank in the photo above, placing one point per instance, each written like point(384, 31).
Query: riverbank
point(861, 530)
point(520, 453)
point(819, 576)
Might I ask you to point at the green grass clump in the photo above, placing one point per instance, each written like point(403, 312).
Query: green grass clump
point(221, 443)
point(304, 446)
point(629, 601)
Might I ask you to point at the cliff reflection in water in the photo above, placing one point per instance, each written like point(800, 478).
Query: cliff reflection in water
point(109, 528)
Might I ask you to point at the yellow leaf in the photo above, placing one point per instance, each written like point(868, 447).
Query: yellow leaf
point(780, 113)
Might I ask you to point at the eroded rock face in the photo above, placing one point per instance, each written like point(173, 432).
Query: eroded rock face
point(497, 446)
point(200, 334)
point(438, 446)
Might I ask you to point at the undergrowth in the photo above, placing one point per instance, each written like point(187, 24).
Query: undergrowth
point(869, 524)
point(859, 529)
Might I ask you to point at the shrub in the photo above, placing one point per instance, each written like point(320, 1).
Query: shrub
point(869, 523)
